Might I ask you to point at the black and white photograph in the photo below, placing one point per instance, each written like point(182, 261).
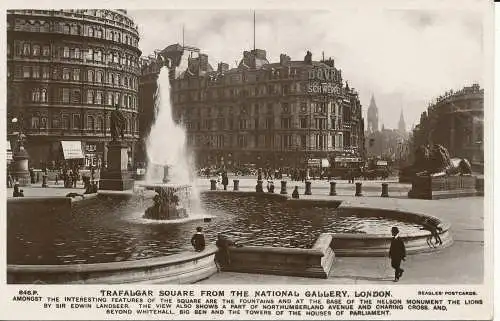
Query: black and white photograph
point(268, 162)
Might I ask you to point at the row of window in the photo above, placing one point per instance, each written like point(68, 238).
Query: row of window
point(75, 74)
point(97, 97)
point(95, 123)
point(26, 49)
point(108, 33)
point(316, 107)
point(246, 124)
point(286, 142)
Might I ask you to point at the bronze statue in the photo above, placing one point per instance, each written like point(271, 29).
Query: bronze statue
point(117, 124)
point(435, 160)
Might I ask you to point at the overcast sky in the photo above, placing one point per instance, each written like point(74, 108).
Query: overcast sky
point(404, 57)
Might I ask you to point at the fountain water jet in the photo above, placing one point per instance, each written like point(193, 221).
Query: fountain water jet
point(170, 170)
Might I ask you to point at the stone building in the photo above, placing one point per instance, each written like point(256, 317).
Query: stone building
point(283, 114)
point(66, 70)
point(455, 120)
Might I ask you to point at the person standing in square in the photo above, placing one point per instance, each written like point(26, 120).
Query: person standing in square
point(397, 253)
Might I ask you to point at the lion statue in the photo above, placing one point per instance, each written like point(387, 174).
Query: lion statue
point(435, 160)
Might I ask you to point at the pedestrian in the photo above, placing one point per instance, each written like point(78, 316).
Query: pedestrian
point(397, 253)
point(198, 240)
point(21, 193)
point(16, 191)
point(295, 193)
point(434, 228)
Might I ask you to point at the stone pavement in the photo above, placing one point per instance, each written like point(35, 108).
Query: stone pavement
point(462, 263)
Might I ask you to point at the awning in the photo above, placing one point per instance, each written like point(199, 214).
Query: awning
point(72, 149)
point(348, 160)
point(325, 162)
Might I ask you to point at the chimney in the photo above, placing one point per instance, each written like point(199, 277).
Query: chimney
point(284, 59)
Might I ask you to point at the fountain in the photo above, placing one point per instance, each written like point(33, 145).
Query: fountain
point(169, 172)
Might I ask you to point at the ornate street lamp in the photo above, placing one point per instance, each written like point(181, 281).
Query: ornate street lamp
point(20, 157)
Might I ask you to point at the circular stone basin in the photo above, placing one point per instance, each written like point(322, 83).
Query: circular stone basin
point(111, 229)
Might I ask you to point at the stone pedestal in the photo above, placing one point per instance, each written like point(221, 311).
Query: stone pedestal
point(333, 191)
point(283, 187)
point(429, 187)
point(20, 171)
point(358, 189)
point(116, 177)
point(385, 190)
point(308, 188)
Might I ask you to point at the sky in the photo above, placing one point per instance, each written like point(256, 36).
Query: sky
point(405, 57)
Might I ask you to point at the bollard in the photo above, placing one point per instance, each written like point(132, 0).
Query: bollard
point(358, 189)
point(44, 180)
point(308, 188)
point(333, 191)
point(258, 187)
point(385, 190)
point(283, 187)
point(213, 185)
point(236, 183)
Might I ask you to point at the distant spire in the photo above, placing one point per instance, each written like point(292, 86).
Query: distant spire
point(182, 36)
point(402, 124)
point(372, 116)
point(254, 30)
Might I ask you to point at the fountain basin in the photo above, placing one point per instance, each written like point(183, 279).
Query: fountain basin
point(187, 267)
point(349, 244)
point(316, 262)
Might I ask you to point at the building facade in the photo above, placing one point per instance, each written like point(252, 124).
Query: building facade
point(66, 72)
point(456, 121)
point(283, 114)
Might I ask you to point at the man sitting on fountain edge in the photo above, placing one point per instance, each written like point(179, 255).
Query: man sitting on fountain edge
point(198, 240)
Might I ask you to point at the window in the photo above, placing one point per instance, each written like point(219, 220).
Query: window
point(90, 76)
point(90, 97)
point(98, 76)
point(36, 72)
point(76, 97)
point(99, 123)
point(35, 122)
point(98, 56)
point(76, 74)
point(76, 121)
point(124, 101)
point(91, 32)
point(117, 98)
point(65, 95)
point(66, 52)
point(45, 72)
point(98, 97)
point(65, 122)
point(35, 95)
point(256, 123)
point(110, 99)
point(243, 123)
point(77, 53)
point(285, 123)
point(90, 54)
point(285, 108)
point(55, 123)
point(321, 141)
point(44, 95)
point(66, 29)
point(303, 142)
point(117, 79)
point(44, 122)
point(66, 74)
point(242, 141)
point(36, 50)
point(26, 49)
point(269, 123)
point(46, 51)
point(26, 72)
point(90, 123)
point(286, 141)
point(303, 122)
point(320, 123)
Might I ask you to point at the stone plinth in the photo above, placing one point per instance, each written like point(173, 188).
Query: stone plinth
point(20, 171)
point(116, 177)
point(429, 187)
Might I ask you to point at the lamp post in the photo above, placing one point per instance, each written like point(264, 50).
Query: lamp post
point(20, 157)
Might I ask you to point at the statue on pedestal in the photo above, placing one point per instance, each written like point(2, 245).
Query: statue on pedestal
point(117, 125)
